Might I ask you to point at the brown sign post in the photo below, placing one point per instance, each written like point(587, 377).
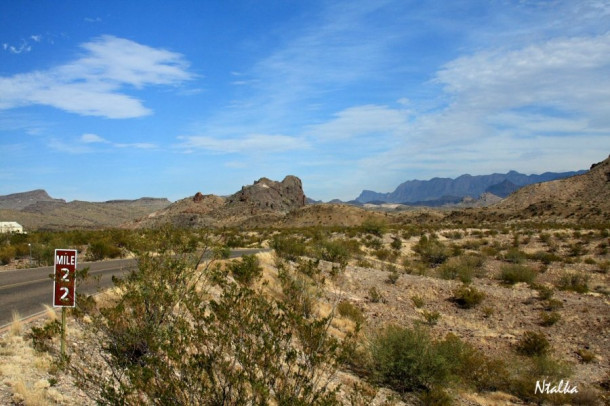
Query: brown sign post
point(64, 289)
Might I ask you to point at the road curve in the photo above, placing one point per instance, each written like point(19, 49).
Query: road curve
point(26, 291)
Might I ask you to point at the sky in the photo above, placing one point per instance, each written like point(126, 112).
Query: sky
point(104, 100)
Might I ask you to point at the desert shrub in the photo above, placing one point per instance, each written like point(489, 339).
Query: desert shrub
point(533, 344)
point(42, 336)
point(515, 273)
point(544, 257)
point(373, 226)
point(102, 249)
point(393, 277)
point(431, 251)
point(435, 396)
point(406, 359)
point(585, 355)
point(375, 296)
point(7, 254)
point(396, 243)
point(383, 254)
point(544, 292)
point(221, 252)
point(467, 297)
point(418, 301)
point(246, 270)
point(299, 293)
point(515, 256)
point(308, 267)
point(548, 319)
point(333, 251)
point(287, 247)
point(552, 304)
point(347, 309)
point(573, 281)
point(373, 243)
point(431, 318)
point(535, 369)
point(464, 268)
point(168, 340)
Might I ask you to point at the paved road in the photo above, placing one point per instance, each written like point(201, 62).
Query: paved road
point(26, 291)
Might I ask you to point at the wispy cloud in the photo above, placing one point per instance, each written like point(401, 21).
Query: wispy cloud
point(251, 143)
point(23, 47)
point(92, 85)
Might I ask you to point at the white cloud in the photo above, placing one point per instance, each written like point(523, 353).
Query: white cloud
point(92, 84)
point(92, 138)
point(361, 121)
point(252, 143)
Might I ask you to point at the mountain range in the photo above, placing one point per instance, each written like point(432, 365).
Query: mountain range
point(421, 191)
point(267, 203)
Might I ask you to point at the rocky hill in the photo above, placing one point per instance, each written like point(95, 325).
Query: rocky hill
point(583, 197)
point(264, 202)
point(462, 186)
point(19, 201)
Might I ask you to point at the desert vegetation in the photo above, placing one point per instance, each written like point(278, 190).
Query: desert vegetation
point(419, 314)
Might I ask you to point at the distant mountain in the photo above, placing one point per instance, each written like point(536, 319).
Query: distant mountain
point(36, 209)
point(503, 188)
point(19, 201)
point(419, 191)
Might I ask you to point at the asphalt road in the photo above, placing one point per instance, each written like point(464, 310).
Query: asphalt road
point(26, 291)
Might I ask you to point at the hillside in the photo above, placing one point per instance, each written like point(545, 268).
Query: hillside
point(581, 197)
point(462, 186)
point(19, 201)
point(37, 210)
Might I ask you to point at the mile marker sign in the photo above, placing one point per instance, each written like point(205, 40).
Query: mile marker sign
point(64, 290)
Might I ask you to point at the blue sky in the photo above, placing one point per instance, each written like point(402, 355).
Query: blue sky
point(105, 100)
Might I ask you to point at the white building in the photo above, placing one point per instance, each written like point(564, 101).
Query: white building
point(10, 227)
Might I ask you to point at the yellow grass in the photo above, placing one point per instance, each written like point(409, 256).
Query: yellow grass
point(16, 325)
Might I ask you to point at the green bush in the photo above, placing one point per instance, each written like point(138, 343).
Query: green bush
point(467, 297)
point(549, 319)
point(373, 226)
point(431, 251)
point(533, 344)
point(515, 273)
point(42, 336)
point(169, 340)
point(289, 248)
point(418, 301)
point(347, 309)
point(574, 282)
point(333, 251)
point(406, 359)
point(247, 269)
point(464, 268)
point(515, 256)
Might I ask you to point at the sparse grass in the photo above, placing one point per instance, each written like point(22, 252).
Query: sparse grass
point(16, 327)
point(347, 309)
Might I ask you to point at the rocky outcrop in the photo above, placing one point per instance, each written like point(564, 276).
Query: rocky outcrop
point(266, 194)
